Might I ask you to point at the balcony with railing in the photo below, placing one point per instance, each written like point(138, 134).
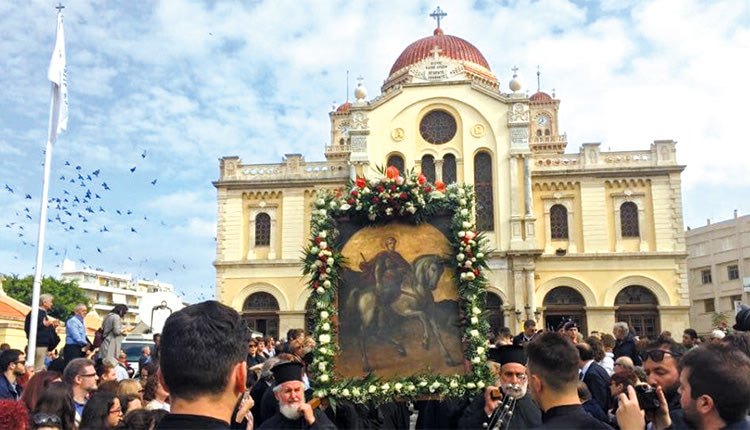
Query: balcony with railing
point(661, 154)
point(292, 168)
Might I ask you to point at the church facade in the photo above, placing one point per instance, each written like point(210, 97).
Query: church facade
point(592, 236)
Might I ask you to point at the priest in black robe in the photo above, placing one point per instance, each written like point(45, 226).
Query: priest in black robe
point(487, 410)
point(293, 412)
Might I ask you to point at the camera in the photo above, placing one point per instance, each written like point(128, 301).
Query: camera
point(647, 398)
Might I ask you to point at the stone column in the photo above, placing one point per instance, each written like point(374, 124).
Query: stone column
point(514, 209)
point(527, 186)
point(530, 292)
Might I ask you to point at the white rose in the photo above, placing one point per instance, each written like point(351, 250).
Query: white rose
point(460, 257)
point(480, 255)
point(322, 366)
point(397, 386)
point(474, 320)
point(323, 234)
point(322, 212)
point(314, 250)
point(320, 290)
point(480, 350)
point(470, 235)
point(371, 389)
point(365, 190)
point(323, 350)
point(476, 311)
point(324, 338)
point(400, 180)
point(325, 326)
point(411, 209)
point(345, 392)
point(461, 192)
point(318, 263)
point(355, 392)
point(333, 204)
point(371, 216)
point(323, 276)
point(454, 384)
point(461, 233)
point(470, 276)
point(320, 202)
point(389, 211)
point(466, 224)
point(468, 263)
point(475, 360)
point(323, 245)
point(474, 333)
point(463, 275)
point(385, 387)
point(473, 259)
point(327, 283)
point(464, 212)
point(359, 207)
point(480, 384)
point(345, 207)
point(471, 385)
point(463, 202)
point(323, 378)
point(324, 314)
point(423, 383)
point(331, 262)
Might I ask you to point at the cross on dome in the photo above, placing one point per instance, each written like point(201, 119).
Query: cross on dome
point(435, 51)
point(438, 14)
point(60, 7)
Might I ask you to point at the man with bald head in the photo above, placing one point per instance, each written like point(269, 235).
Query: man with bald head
point(623, 363)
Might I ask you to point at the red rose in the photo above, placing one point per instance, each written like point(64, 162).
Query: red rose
point(317, 240)
point(421, 179)
point(351, 201)
point(376, 199)
point(476, 272)
point(380, 188)
point(361, 182)
point(427, 189)
point(393, 188)
point(391, 172)
point(354, 193)
point(404, 196)
point(440, 186)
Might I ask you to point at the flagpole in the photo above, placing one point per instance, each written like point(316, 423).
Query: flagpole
point(54, 113)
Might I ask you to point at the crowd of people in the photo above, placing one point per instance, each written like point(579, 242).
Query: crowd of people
point(207, 371)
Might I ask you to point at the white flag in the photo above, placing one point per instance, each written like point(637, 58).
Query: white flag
point(58, 76)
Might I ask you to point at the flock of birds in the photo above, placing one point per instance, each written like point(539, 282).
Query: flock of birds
point(80, 204)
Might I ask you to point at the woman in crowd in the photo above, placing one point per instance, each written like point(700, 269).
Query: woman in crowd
point(114, 332)
point(102, 411)
point(36, 385)
point(155, 396)
point(130, 393)
point(57, 400)
point(13, 415)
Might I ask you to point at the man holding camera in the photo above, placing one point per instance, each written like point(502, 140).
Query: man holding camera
point(714, 392)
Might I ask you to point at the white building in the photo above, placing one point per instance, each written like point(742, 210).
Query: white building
point(106, 289)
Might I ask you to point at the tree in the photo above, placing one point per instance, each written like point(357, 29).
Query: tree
point(67, 293)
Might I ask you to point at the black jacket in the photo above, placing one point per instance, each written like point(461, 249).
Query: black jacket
point(626, 347)
point(597, 379)
point(526, 414)
point(43, 333)
point(570, 417)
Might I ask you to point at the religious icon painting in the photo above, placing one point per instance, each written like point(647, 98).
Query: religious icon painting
point(395, 268)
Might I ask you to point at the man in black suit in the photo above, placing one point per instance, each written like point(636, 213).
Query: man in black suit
point(529, 330)
point(593, 375)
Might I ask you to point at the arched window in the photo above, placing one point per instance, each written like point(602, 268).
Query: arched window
point(546, 132)
point(629, 219)
point(539, 132)
point(449, 168)
point(428, 167)
point(494, 310)
point(558, 222)
point(564, 304)
point(638, 306)
point(262, 229)
point(261, 313)
point(397, 162)
point(483, 188)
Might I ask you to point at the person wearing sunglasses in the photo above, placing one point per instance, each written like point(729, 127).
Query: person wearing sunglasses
point(80, 375)
point(661, 361)
point(103, 411)
point(13, 365)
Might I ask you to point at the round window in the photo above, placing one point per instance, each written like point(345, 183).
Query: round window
point(437, 127)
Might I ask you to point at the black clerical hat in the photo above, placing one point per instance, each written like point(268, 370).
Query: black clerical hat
point(507, 354)
point(288, 371)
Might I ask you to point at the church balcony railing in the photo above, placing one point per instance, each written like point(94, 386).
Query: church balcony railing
point(595, 160)
point(289, 170)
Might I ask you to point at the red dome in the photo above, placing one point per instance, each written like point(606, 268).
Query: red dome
point(450, 46)
point(344, 107)
point(540, 97)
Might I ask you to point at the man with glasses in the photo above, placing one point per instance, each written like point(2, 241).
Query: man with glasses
point(80, 375)
point(13, 365)
point(661, 363)
point(75, 335)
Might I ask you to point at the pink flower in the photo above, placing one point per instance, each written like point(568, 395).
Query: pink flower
point(391, 172)
point(421, 179)
point(361, 183)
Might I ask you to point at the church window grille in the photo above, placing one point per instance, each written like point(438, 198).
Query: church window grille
point(484, 193)
point(262, 229)
point(437, 127)
point(397, 162)
point(428, 167)
point(449, 168)
point(558, 219)
point(629, 219)
point(261, 302)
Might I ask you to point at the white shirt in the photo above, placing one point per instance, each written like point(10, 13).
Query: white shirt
point(608, 363)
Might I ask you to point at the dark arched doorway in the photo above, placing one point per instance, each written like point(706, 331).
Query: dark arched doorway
point(261, 312)
point(638, 306)
point(564, 303)
point(309, 316)
point(494, 309)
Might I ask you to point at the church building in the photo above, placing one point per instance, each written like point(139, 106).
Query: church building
point(590, 235)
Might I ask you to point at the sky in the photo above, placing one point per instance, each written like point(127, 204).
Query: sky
point(159, 91)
